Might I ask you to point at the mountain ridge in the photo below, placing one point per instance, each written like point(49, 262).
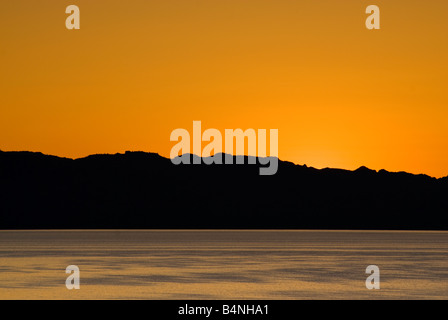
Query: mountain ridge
point(361, 168)
point(140, 190)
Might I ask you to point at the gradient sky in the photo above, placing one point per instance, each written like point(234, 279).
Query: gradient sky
point(341, 95)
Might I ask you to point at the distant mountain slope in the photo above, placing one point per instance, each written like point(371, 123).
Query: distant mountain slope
point(145, 190)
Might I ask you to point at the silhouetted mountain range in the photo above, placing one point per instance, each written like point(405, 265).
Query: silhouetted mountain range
point(144, 190)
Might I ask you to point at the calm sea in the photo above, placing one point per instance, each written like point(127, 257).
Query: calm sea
point(208, 264)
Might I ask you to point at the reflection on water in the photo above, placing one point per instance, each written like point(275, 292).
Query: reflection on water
point(207, 264)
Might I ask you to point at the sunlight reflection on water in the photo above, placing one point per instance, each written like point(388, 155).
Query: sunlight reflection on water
point(209, 264)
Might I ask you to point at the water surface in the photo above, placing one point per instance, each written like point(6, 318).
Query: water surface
point(209, 264)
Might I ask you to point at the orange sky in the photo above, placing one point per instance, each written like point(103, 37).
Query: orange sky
point(339, 94)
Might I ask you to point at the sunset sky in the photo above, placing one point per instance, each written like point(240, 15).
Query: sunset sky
point(339, 94)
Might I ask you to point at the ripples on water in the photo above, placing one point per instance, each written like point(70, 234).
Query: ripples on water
point(208, 264)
